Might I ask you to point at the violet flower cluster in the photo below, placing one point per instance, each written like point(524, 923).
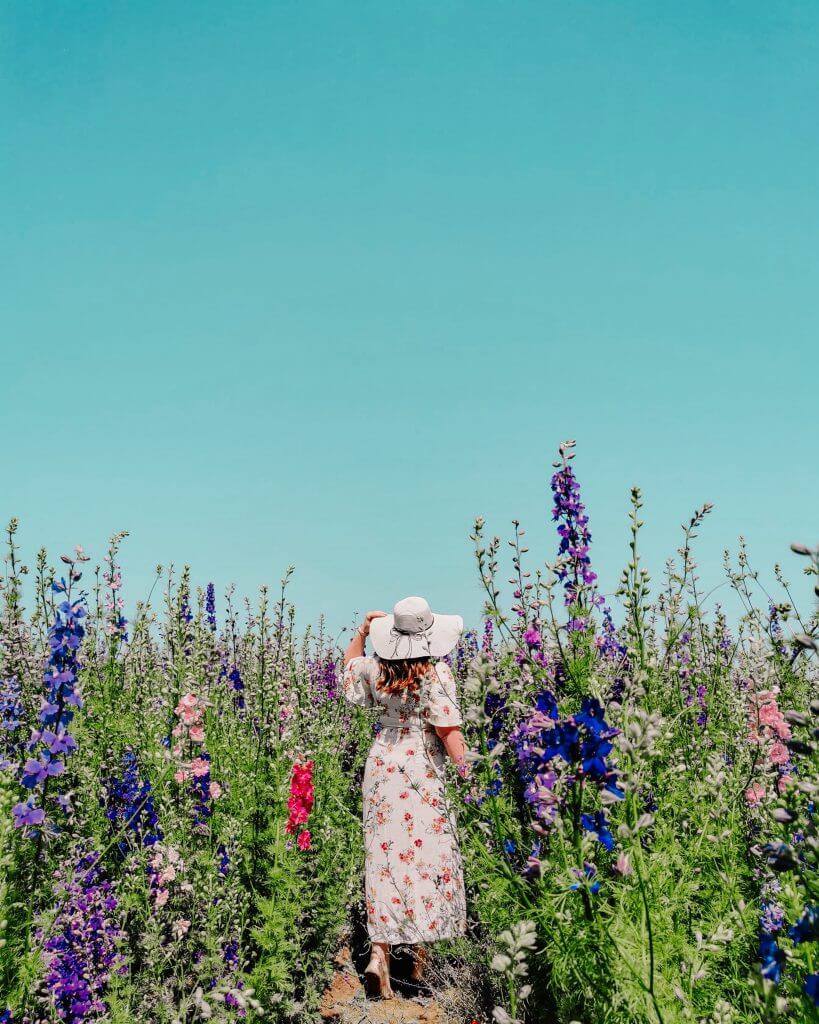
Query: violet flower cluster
point(81, 948)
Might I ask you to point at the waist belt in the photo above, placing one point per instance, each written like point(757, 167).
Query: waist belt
point(389, 722)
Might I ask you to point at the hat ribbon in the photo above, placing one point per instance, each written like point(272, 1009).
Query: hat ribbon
point(397, 635)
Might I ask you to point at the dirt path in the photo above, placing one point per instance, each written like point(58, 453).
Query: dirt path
point(345, 1001)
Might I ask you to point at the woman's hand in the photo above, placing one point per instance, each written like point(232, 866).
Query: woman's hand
point(355, 648)
point(364, 628)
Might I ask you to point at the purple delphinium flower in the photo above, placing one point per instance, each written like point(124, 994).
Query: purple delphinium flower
point(702, 717)
point(465, 652)
point(80, 950)
point(573, 565)
point(129, 807)
point(49, 745)
point(200, 790)
point(12, 715)
point(234, 679)
point(614, 651)
point(210, 606)
point(488, 640)
point(772, 918)
point(323, 676)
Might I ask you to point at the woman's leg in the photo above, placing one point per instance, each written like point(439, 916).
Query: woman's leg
point(419, 961)
point(377, 971)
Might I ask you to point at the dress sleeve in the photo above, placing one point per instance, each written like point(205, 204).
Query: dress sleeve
point(440, 703)
point(356, 682)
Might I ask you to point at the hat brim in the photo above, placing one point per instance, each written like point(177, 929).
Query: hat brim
point(391, 645)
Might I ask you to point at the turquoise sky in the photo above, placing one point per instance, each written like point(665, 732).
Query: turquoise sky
point(319, 282)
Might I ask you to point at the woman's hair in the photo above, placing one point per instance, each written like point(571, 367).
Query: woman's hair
point(402, 674)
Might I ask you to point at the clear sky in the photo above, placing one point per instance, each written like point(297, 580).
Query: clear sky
point(318, 282)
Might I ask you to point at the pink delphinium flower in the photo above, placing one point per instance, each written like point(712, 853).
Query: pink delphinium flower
point(778, 754)
point(623, 865)
point(755, 793)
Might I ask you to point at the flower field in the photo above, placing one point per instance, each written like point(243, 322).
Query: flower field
point(180, 832)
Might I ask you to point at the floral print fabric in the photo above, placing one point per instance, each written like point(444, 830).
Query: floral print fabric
point(413, 882)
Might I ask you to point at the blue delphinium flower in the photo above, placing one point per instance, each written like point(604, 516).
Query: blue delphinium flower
point(589, 875)
point(129, 807)
point(582, 741)
point(224, 860)
point(597, 823)
point(509, 846)
point(49, 745)
point(210, 606)
point(811, 988)
point(806, 928)
point(771, 956)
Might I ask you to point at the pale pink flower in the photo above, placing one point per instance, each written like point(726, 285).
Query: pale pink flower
point(181, 927)
point(778, 754)
point(197, 734)
point(189, 700)
point(180, 776)
point(200, 767)
point(161, 898)
point(755, 793)
point(782, 782)
point(215, 790)
point(623, 865)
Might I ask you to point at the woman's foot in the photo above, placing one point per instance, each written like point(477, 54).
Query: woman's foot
point(377, 974)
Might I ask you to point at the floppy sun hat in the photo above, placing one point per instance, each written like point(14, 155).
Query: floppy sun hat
point(413, 631)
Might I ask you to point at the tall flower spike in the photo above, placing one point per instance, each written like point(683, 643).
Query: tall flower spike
point(51, 744)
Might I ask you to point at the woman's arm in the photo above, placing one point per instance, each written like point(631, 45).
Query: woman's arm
point(454, 744)
point(355, 648)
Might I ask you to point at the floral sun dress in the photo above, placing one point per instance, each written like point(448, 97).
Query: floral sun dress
point(413, 876)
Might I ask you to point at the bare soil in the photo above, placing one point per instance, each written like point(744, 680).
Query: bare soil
point(346, 1002)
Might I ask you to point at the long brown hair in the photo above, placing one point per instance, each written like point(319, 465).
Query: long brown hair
point(402, 674)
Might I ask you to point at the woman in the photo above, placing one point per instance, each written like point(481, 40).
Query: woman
point(414, 883)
